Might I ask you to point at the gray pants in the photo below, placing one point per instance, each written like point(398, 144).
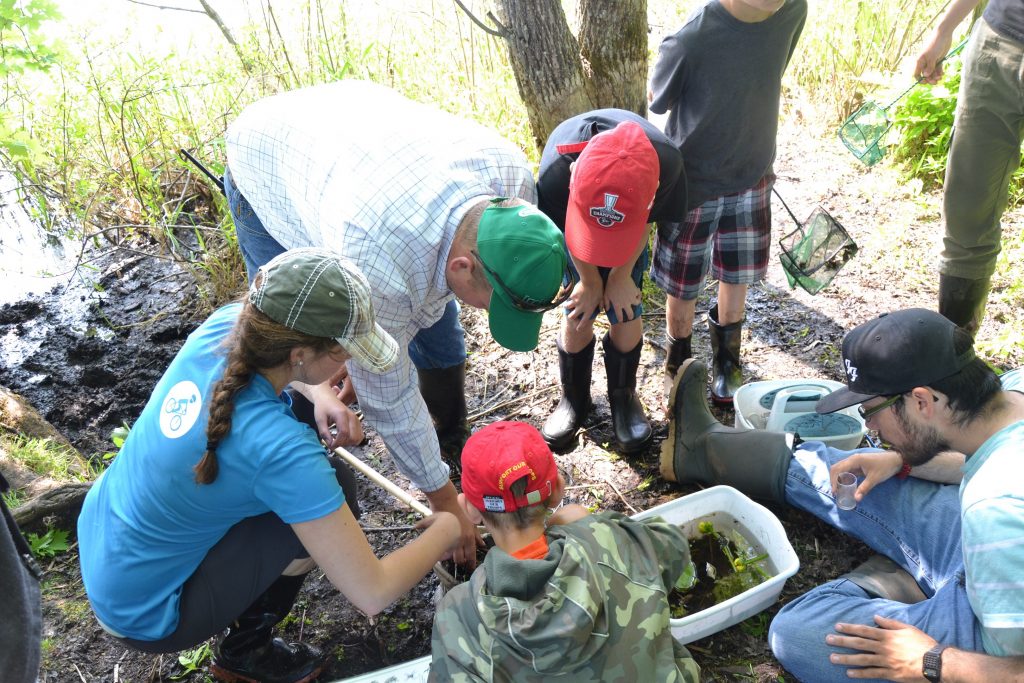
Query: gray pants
point(984, 153)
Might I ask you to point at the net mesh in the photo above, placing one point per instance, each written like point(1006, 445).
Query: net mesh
point(863, 133)
point(815, 251)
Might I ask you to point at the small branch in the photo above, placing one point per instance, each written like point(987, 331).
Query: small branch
point(622, 497)
point(180, 9)
point(502, 31)
point(372, 529)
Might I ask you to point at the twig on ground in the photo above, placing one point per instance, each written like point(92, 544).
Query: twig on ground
point(406, 527)
point(622, 497)
point(526, 398)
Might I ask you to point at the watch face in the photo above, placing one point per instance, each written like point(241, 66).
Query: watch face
point(932, 665)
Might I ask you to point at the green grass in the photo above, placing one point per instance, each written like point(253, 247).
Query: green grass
point(48, 458)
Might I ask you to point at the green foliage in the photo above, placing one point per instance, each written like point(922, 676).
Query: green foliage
point(192, 660)
point(51, 543)
point(23, 50)
point(48, 458)
point(925, 124)
point(924, 121)
point(852, 51)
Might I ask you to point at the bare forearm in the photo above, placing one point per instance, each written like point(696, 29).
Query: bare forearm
point(959, 666)
point(944, 468)
point(956, 13)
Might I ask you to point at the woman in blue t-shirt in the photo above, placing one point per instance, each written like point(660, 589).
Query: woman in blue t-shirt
point(221, 501)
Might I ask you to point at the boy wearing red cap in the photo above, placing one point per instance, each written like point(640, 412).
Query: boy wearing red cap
point(578, 595)
point(604, 176)
point(720, 80)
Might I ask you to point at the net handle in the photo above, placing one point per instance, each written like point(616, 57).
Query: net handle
point(955, 51)
point(784, 204)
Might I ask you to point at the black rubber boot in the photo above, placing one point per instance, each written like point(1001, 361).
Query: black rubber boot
point(962, 301)
point(880, 577)
point(444, 391)
point(725, 349)
point(560, 428)
point(699, 449)
point(678, 351)
point(629, 423)
point(248, 652)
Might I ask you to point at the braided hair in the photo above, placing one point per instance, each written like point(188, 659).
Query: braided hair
point(256, 343)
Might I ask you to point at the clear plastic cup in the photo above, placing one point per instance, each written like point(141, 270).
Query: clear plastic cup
point(846, 486)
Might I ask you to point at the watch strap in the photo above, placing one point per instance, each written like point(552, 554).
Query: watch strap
point(931, 664)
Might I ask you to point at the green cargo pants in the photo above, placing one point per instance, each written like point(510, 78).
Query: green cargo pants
point(984, 153)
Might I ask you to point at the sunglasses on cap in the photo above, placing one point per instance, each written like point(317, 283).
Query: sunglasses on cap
point(528, 305)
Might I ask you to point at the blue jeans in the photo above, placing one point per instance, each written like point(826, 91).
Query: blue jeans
point(637, 275)
point(914, 523)
point(441, 345)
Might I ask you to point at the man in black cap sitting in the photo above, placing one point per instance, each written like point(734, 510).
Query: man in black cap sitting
point(944, 600)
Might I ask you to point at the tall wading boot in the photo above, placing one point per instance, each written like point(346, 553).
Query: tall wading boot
point(962, 301)
point(629, 423)
point(560, 428)
point(725, 349)
point(700, 449)
point(444, 391)
point(249, 653)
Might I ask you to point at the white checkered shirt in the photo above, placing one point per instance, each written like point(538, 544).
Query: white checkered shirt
point(356, 167)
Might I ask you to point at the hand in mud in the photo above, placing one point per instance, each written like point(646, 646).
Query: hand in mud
point(893, 652)
point(344, 387)
point(873, 467)
point(620, 295)
point(581, 304)
point(329, 410)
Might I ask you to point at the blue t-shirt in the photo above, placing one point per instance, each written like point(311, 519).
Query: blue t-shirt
point(146, 524)
point(992, 531)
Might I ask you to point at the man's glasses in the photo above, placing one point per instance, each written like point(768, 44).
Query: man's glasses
point(867, 413)
point(527, 305)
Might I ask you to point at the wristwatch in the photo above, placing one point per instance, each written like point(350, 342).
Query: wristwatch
point(931, 666)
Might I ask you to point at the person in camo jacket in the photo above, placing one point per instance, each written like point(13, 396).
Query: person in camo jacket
point(576, 595)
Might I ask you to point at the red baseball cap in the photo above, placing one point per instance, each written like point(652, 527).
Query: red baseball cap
point(502, 453)
point(610, 195)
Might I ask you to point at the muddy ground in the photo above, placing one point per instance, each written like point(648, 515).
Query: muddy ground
point(90, 375)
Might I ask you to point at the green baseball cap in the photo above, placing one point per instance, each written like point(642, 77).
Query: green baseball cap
point(322, 294)
point(523, 254)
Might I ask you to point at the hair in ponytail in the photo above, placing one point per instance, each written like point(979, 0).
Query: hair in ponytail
point(256, 343)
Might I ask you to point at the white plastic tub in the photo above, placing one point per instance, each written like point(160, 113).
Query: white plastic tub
point(727, 508)
point(415, 671)
point(787, 405)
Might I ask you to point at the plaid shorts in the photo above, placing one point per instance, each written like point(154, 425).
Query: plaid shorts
point(741, 225)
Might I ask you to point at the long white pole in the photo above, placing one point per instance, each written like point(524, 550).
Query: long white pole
point(382, 481)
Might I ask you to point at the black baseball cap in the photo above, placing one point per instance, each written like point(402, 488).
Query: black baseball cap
point(894, 353)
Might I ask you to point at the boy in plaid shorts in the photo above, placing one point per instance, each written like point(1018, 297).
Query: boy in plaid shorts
point(723, 105)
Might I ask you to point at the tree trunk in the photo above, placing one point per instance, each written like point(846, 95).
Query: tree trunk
point(62, 503)
point(560, 76)
point(613, 39)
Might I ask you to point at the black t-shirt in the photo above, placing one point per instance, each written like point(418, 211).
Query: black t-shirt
point(553, 177)
point(1006, 17)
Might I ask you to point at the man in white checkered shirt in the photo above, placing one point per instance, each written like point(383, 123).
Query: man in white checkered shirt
point(407, 192)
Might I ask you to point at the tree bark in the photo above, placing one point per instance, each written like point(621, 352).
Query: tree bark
point(560, 76)
point(63, 502)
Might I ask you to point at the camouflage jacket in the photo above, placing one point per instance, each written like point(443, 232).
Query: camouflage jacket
point(594, 609)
